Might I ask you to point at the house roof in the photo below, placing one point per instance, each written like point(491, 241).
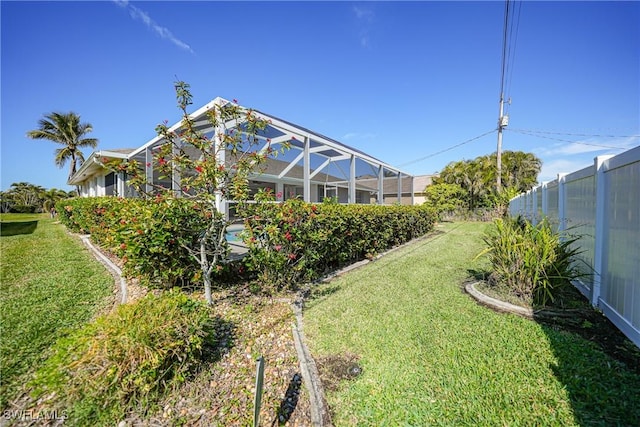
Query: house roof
point(327, 155)
point(93, 164)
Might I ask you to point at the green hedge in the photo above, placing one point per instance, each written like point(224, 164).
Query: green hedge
point(296, 241)
point(288, 243)
point(149, 235)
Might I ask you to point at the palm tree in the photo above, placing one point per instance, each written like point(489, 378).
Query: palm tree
point(521, 169)
point(65, 129)
point(50, 198)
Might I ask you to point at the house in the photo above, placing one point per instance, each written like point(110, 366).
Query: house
point(314, 168)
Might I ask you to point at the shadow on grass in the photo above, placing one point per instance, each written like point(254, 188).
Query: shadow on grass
point(597, 365)
point(14, 228)
point(602, 390)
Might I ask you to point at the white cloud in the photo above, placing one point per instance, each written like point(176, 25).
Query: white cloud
point(363, 13)
point(550, 170)
point(567, 157)
point(364, 17)
point(139, 14)
point(358, 135)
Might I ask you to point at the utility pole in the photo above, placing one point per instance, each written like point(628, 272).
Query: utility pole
point(503, 121)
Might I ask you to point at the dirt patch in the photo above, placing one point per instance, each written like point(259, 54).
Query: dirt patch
point(336, 368)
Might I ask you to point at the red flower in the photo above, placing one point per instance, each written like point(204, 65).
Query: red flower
point(104, 159)
point(221, 168)
point(162, 161)
point(314, 208)
point(140, 231)
point(288, 236)
point(279, 195)
point(148, 164)
point(123, 222)
point(292, 256)
point(123, 246)
point(199, 169)
point(277, 247)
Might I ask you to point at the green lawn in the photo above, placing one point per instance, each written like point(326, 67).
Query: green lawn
point(50, 283)
point(431, 356)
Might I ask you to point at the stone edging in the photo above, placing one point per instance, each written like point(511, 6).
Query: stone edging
point(110, 266)
point(497, 304)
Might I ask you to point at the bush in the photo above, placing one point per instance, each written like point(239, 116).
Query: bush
point(149, 235)
point(127, 359)
point(534, 263)
point(29, 209)
point(445, 197)
point(288, 243)
point(296, 241)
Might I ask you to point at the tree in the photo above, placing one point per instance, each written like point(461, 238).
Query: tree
point(67, 130)
point(51, 197)
point(520, 170)
point(210, 168)
point(445, 197)
point(477, 177)
point(26, 197)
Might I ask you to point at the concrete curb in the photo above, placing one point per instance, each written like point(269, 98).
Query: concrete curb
point(310, 375)
point(496, 304)
point(111, 267)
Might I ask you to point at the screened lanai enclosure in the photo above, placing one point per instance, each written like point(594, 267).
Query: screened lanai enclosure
point(314, 168)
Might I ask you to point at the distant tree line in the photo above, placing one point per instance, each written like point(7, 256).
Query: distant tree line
point(470, 185)
point(23, 197)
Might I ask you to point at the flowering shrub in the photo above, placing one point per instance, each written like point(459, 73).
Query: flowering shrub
point(288, 243)
point(218, 167)
point(297, 241)
point(149, 235)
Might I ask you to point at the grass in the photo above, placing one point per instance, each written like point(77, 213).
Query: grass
point(49, 285)
point(431, 356)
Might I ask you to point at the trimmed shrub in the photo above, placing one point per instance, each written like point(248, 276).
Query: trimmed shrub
point(533, 263)
point(296, 241)
point(127, 359)
point(288, 243)
point(150, 236)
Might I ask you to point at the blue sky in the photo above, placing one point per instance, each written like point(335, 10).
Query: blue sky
point(398, 80)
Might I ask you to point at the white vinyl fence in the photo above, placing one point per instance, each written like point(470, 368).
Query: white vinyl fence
point(601, 204)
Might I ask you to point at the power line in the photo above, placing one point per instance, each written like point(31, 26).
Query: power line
point(566, 140)
point(511, 58)
point(446, 149)
point(504, 46)
point(530, 131)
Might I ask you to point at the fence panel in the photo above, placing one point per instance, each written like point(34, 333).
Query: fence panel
point(621, 254)
point(580, 219)
point(601, 204)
